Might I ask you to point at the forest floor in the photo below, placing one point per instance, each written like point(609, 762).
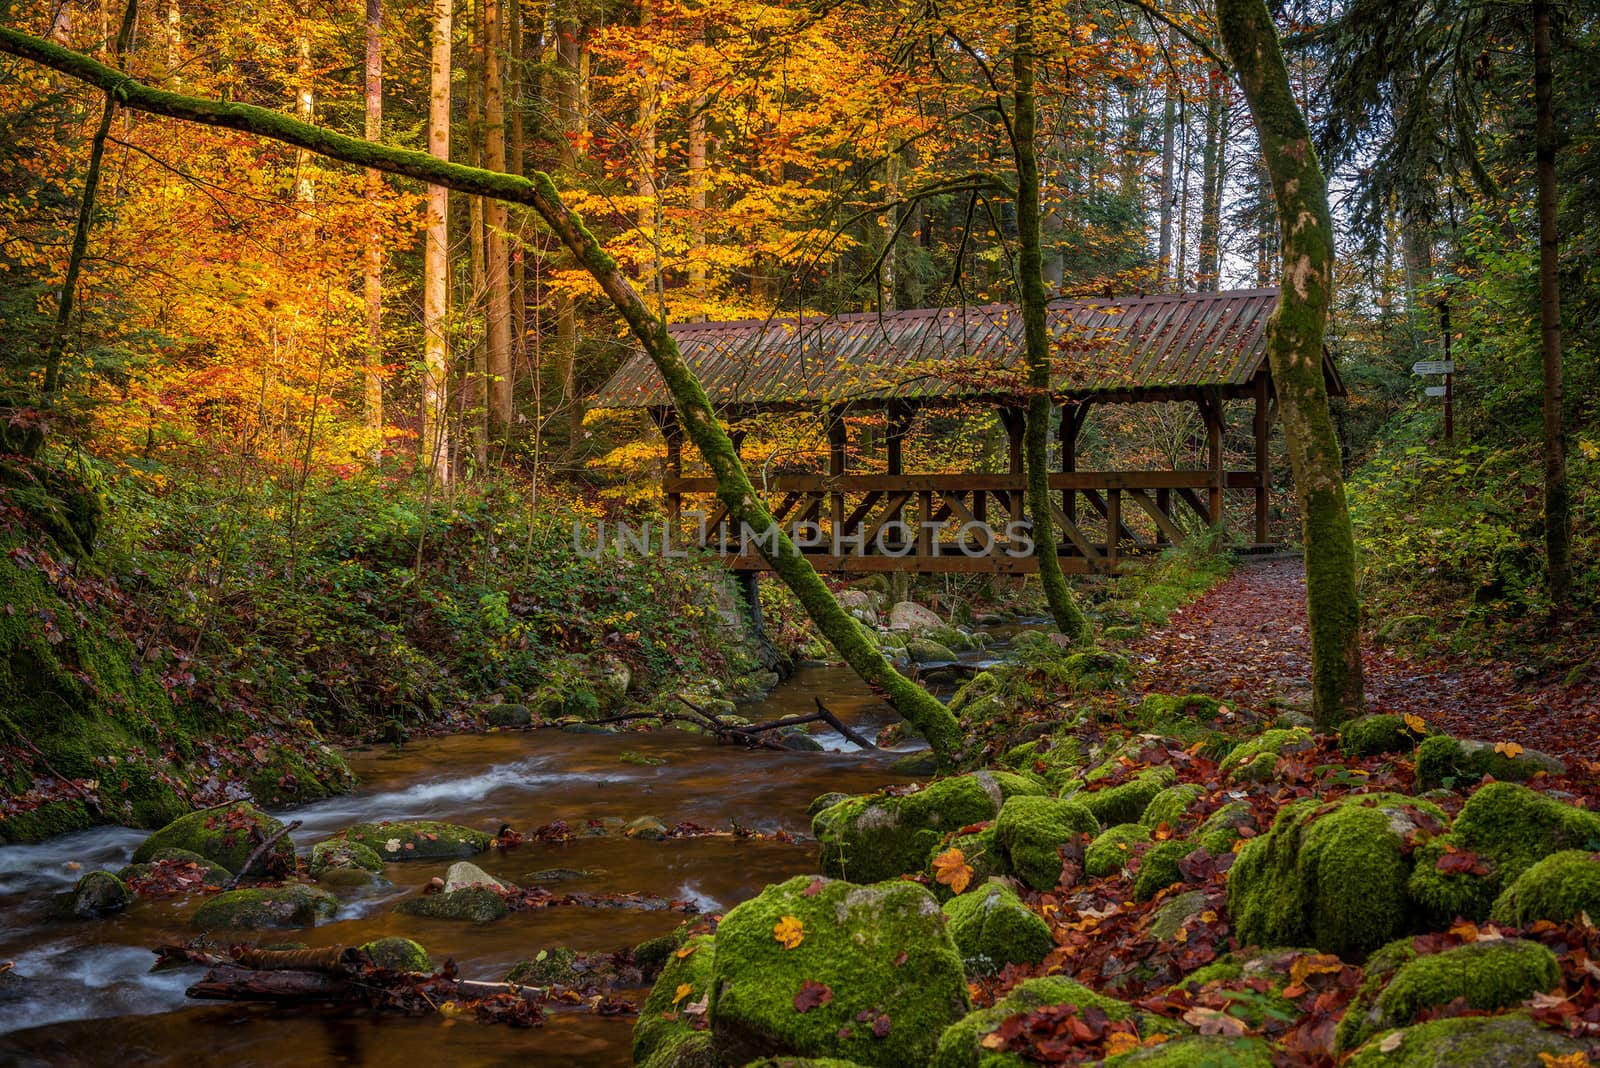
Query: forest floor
point(1246, 641)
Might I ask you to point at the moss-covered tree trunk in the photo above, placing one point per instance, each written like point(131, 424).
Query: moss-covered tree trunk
point(1036, 336)
point(537, 191)
point(1294, 349)
point(1557, 501)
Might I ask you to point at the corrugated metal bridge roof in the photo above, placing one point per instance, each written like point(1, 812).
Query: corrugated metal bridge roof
point(1127, 345)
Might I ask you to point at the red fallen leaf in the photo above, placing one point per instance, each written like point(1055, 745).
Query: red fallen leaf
point(900, 959)
point(1461, 863)
point(812, 995)
point(880, 1026)
point(813, 889)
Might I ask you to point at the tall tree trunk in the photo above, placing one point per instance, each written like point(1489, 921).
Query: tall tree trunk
point(1557, 518)
point(572, 69)
point(697, 191)
point(649, 210)
point(374, 262)
point(1211, 187)
point(80, 233)
point(1294, 349)
point(1169, 122)
point(517, 65)
point(305, 106)
point(435, 440)
point(696, 414)
point(497, 252)
point(1069, 618)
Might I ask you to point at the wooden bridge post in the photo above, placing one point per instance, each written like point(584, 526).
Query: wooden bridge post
point(838, 445)
point(666, 421)
point(1073, 416)
point(1263, 459)
point(1015, 421)
point(1211, 407)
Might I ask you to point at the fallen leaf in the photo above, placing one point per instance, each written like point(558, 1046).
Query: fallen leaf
point(789, 931)
point(1415, 723)
point(812, 995)
point(1509, 749)
point(951, 869)
point(1391, 1042)
point(1121, 1042)
point(683, 991)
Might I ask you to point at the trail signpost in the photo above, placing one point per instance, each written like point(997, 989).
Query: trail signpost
point(1446, 367)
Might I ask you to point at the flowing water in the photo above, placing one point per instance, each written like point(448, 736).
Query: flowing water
point(93, 1001)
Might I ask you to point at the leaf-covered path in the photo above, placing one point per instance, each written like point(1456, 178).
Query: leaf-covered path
point(1246, 642)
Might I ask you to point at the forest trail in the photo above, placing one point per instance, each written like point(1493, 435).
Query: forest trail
point(1246, 641)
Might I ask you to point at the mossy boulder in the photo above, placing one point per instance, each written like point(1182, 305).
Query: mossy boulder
point(1329, 875)
point(951, 638)
point(1256, 760)
point(507, 716)
point(417, 840)
point(1170, 805)
point(227, 835)
point(1055, 759)
point(474, 904)
point(1158, 868)
point(1560, 888)
point(337, 854)
point(1512, 1041)
point(1485, 975)
point(961, 1044)
point(925, 651)
point(883, 951)
point(1176, 912)
point(664, 1015)
point(1440, 897)
point(1514, 826)
point(1032, 833)
point(1457, 762)
point(560, 966)
point(1223, 827)
point(1097, 669)
point(1402, 629)
point(1125, 803)
point(1367, 736)
point(1109, 853)
point(399, 954)
point(880, 836)
point(1160, 709)
point(211, 874)
point(1198, 1051)
point(992, 928)
point(295, 905)
point(99, 893)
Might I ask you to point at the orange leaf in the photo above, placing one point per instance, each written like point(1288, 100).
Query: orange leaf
point(683, 991)
point(1121, 1042)
point(1509, 749)
point(1467, 932)
point(684, 951)
point(789, 931)
point(1415, 723)
point(951, 869)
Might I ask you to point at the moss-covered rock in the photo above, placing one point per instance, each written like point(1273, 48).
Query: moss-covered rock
point(1110, 852)
point(685, 1049)
point(926, 651)
point(211, 874)
point(1170, 805)
point(961, 1045)
point(99, 893)
point(548, 967)
point(883, 951)
point(1097, 669)
point(1158, 710)
point(1457, 762)
point(1176, 912)
point(1198, 1051)
point(339, 854)
point(1486, 975)
point(992, 928)
point(1055, 759)
point(1257, 759)
point(1330, 875)
point(665, 1014)
point(1220, 830)
point(1560, 888)
point(417, 840)
point(1032, 833)
point(226, 835)
point(1126, 803)
point(474, 904)
point(1158, 868)
point(399, 954)
point(295, 905)
point(1512, 1041)
point(1367, 736)
point(1441, 897)
point(1514, 826)
point(880, 836)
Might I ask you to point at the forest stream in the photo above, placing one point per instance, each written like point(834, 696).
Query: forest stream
point(96, 1002)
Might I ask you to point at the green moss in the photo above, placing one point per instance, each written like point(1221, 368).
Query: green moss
point(1485, 975)
point(992, 928)
point(475, 904)
point(1198, 1051)
point(1220, 830)
point(227, 835)
point(417, 840)
point(1456, 762)
point(1440, 898)
point(1055, 759)
point(1097, 669)
point(340, 853)
point(652, 954)
point(1176, 912)
point(1109, 853)
point(1256, 759)
point(662, 1015)
point(548, 967)
point(295, 905)
point(213, 874)
point(1170, 805)
point(1159, 709)
point(98, 893)
point(1560, 888)
point(961, 1045)
point(881, 836)
point(1514, 826)
point(883, 950)
point(399, 954)
point(1376, 735)
point(685, 1049)
point(1489, 1041)
point(1031, 832)
point(1126, 803)
point(1333, 876)
point(1158, 868)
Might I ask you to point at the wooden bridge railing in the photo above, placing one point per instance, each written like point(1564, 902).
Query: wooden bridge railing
point(962, 522)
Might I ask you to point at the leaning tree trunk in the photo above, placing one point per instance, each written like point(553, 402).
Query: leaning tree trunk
point(1036, 339)
point(1557, 518)
point(537, 191)
point(1294, 348)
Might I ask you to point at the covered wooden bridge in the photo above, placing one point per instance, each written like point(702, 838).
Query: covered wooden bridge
point(1204, 349)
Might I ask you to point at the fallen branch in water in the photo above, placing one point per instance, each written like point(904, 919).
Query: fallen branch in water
point(259, 851)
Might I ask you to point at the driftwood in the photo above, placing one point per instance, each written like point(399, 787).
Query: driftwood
point(751, 736)
point(259, 852)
